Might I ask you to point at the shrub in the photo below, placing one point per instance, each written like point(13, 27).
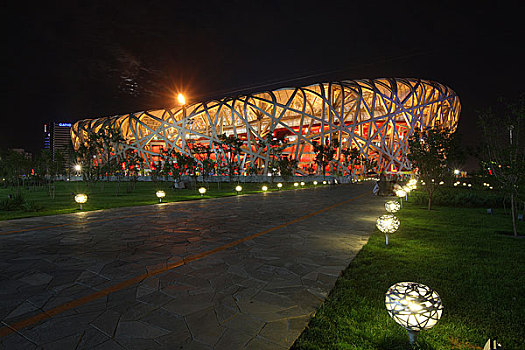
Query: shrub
point(452, 197)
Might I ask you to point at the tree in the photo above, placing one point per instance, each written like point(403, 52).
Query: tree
point(324, 153)
point(232, 148)
point(351, 158)
point(503, 153)
point(431, 152)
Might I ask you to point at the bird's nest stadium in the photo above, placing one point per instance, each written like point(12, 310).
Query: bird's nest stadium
point(374, 116)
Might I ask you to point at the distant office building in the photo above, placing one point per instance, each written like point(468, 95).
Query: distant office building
point(57, 136)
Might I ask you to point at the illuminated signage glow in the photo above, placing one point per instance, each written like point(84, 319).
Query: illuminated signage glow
point(65, 124)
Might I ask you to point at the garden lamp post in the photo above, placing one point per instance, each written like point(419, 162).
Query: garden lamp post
point(296, 184)
point(401, 193)
point(202, 191)
point(81, 198)
point(264, 188)
point(392, 206)
point(387, 224)
point(414, 307)
point(238, 188)
point(279, 185)
point(160, 194)
point(315, 183)
point(302, 183)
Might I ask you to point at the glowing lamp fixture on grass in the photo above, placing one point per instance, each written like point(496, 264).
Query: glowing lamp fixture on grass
point(296, 184)
point(302, 183)
point(202, 191)
point(238, 189)
point(160, 195)
point(414, 307)
point(401, 193)
point(324, 182)
point(315, 183)
point(279, 185)
point(387, 224)
point(392, 206)
point(265, 188)
point(81, 198)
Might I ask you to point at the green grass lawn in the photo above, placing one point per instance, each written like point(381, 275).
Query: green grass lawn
point(479, 275)
point(103, 195)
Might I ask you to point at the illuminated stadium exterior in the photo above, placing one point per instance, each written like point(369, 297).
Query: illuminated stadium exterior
point(374, 116)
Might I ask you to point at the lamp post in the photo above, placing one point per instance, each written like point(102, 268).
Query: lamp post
point(182, 102)
point(401, 193)
point(302, 183)
point(160, 194)
point(296, 184)
point(414, 307)
point(81, 198)
point(78, 168)
point(238, 188)
point(392, 206)
point(387, 224)
point(315, 183)
point(202, 191)
point(264, 188)
point(279, 186)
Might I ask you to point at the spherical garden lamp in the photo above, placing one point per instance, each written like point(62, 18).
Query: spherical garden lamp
point(302, 183)
point(160, 195)
point(264, 188)
point(414, 307)
point(392, 206)
point(202, 191)
point(315, 183)
point(279, 185)
point(296, 184)
point(324, 182)
point(387, 224)
point(81, 198)
point(238, 188)
point(401, 193)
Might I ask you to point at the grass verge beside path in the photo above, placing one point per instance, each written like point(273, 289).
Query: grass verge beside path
point(479, 275)
point(103, 196)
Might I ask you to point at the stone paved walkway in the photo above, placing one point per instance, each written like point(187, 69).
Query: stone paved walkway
point(257, 294)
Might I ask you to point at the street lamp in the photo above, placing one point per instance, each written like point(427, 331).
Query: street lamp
point(392, 206)
point(264, 188)
point(238, 188)
point(414, 307)
point(401, 193)
point(202, 191)
point(78, 168)
point(279, 185)
point(387, 224)
point(302, 183)
point(181, 99)
point(315, 183)
point(296, 184)
point(160, 194)
point(324, 182)
point(81, 198)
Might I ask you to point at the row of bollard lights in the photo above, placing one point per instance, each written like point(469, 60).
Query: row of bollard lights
point(82, 198)
point(414, 306)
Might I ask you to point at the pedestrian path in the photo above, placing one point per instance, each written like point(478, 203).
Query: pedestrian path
point(228, 273)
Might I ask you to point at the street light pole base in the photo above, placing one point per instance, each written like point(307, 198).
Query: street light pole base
point(412, 336)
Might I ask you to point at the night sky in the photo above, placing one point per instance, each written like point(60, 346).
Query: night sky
point(79, 59)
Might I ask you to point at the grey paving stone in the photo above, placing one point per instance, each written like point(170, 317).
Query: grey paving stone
point(258, 294)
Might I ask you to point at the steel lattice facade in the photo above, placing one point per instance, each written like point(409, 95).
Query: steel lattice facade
point(374, 116)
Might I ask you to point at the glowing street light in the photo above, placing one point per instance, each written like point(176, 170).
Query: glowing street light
point(392, 206)
point(387, 224)
point(324, 182)
point(279, 185)
point(264, 188)
point(296, 184)
point(202, 191)
point(181, 99)
point(302, 183)
point(77, 168)
point(160, 194)
point(238, 188)
point(401, 193)
point(81, 198)
point(315, 183)
point(456, 172)
point(414, 307)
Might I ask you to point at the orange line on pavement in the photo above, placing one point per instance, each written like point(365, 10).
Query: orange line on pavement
point(4, 331)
